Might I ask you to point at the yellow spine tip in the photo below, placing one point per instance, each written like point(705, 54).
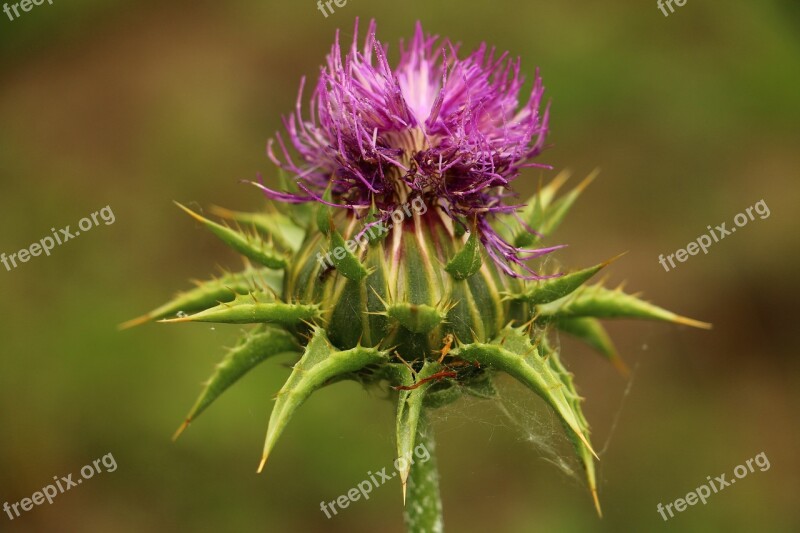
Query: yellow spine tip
point(261, 464)
point(134, 322)
point(609, 261)
point(586, 442)
point(587, 180)
point(181, 429)
point(692, 322)
point(596, 502)
point(561, 178)
point(621, 367)
point(190, 212)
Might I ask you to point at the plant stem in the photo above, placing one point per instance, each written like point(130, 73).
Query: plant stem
point(423, 509)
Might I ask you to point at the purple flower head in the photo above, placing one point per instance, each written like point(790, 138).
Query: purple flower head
point(450, 130)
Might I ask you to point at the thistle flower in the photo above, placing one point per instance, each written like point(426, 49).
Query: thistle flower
point(447, 129)
point(429, 305)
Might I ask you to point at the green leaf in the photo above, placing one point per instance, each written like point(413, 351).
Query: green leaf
point(286, 234)
point(533, 213)
point(467, 261)
point(319, 364)
point(254, 308)
point(513, 353)
point(210, 293)
point(251, 246)
point(251, 350)
point(592, 332)
point(409, 409)
point(558, 211)
point(300, 213)
point(599, 302)
point(344, 260)
point(548, 290)
point(582, 448)
point(548, 217)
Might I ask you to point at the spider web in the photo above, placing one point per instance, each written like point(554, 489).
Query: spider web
point(517, 411)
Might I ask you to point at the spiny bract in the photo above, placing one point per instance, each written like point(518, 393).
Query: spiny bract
point(391, 258)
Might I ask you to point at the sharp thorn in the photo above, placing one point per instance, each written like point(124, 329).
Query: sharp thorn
point(191, 213)
point(596, 502)
point(134, 322)
point(261, 464)
point(181, 429)
point(621, 367)
point(586, 442)
point(691, 322)
point(587, 180)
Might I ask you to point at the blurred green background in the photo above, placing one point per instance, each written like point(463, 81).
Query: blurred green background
point(692, 118)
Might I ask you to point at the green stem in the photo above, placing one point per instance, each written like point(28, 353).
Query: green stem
point(423, 508)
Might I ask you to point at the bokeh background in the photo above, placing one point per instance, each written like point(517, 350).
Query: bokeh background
point(692, 118)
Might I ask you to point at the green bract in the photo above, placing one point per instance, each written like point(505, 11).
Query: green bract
point(421, 312)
